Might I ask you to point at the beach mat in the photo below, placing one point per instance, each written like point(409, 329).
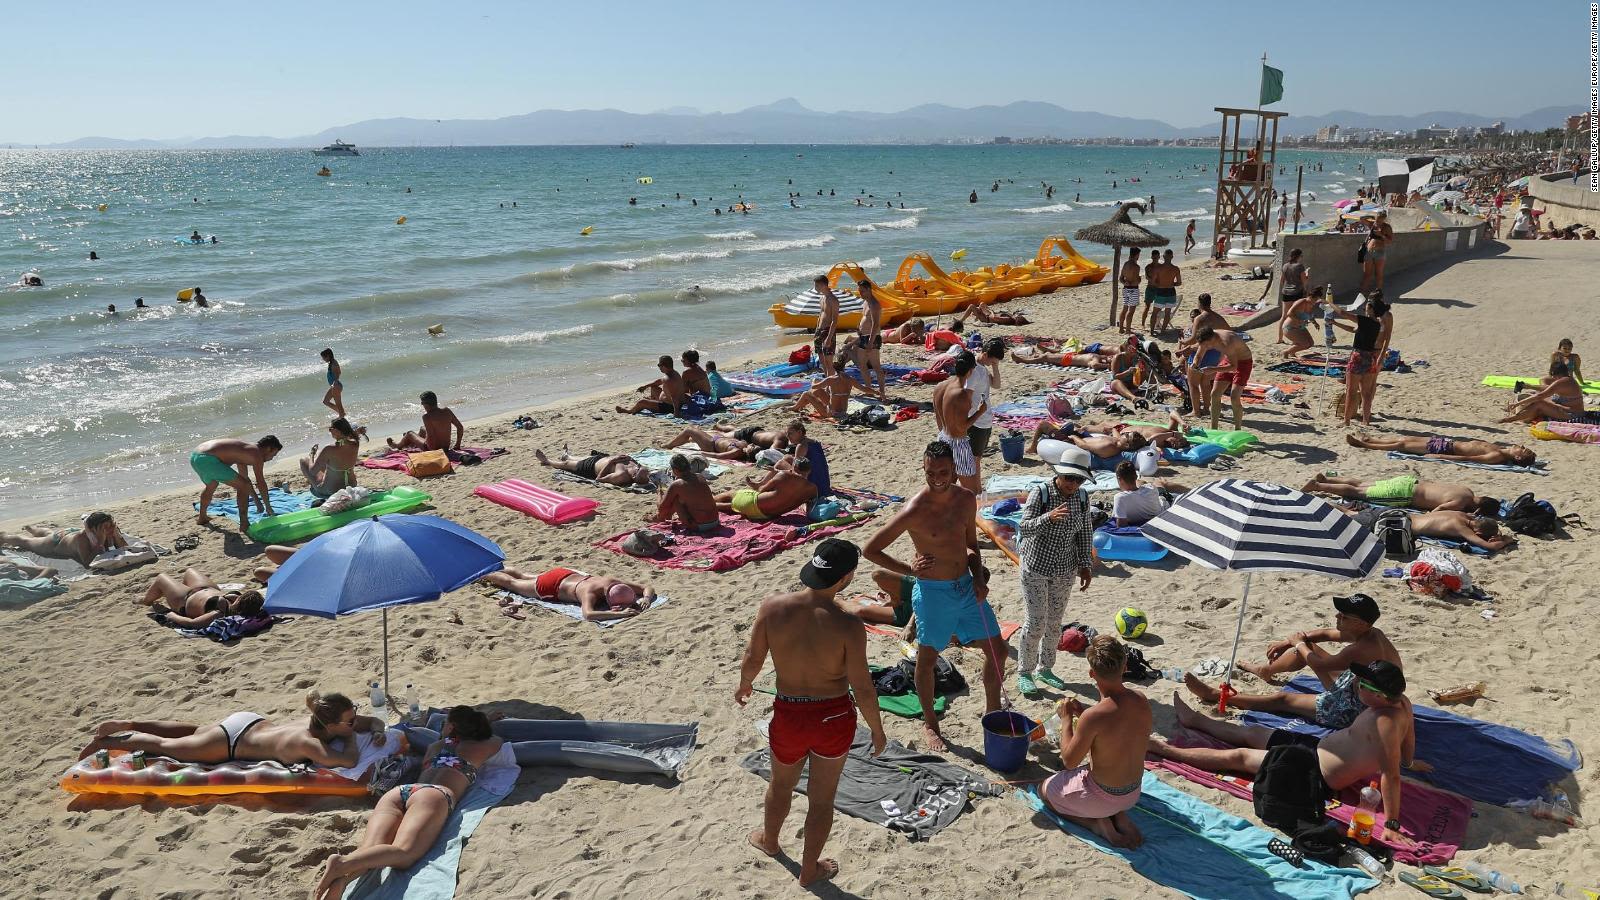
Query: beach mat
point(573, 611)
point(1508, 382)
point(1538, 468)
point(737, 542)
point(395, 460)
point(1482, 760)
point(636, 747)
point(282, 502)
point(657, 459)
point(433, 877)
point(917, 794)
point(1196, 849)
point(1433, 820)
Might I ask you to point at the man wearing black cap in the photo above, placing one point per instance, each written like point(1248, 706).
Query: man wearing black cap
point(820, 655)
point(1338, 705)
point(1379, 743)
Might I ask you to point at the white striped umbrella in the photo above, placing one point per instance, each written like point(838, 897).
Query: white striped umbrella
point(1255, 526)
point(809, 303)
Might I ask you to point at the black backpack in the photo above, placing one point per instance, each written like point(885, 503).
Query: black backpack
point(1289, 792)
point(1530, 516)
point(1138, 668)
point(946, 678)
point(1393, 529)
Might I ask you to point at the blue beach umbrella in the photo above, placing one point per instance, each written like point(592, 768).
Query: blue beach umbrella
point(381, 562)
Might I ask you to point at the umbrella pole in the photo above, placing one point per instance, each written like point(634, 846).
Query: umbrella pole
point(1116, 280)
point(386, 642)
point(1238, 629)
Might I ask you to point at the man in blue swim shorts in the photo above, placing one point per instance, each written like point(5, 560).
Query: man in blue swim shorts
point(952, 585)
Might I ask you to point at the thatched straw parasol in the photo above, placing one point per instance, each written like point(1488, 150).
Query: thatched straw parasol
point(1119, 231)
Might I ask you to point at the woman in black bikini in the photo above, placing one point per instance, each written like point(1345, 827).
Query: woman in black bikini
point(409, 817)
point(195, 600)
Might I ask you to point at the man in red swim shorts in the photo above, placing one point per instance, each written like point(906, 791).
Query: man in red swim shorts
point(820, 655)
point(1232, 375)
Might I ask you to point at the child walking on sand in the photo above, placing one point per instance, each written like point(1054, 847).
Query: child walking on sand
point(334, 398)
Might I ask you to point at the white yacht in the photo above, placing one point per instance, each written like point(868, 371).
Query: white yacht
point(337, 148)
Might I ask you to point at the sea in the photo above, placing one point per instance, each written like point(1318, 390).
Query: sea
point(552, 270)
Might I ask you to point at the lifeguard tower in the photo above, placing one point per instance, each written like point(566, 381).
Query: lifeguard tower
point(1246, 161)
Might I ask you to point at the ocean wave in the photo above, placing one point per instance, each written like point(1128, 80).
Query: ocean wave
point(908, 222)
point(811, 243)
point(912, 209)
point(628, 265)
point(1098, 203)
point(731, 235)
point(1335, 173)
point(1053, 208)
point(539, 337)
point(1206, 191)
point(1333, 187)
point(1185, 213)
point(746, 282)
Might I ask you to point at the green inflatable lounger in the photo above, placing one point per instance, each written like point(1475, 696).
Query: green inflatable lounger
point(1530, 384)
point(297, 526)
point(1233, 442)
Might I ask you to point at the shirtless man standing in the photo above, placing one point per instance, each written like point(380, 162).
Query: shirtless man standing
point(955, 411)
point(1151, 268)
point(1230, 378)
point(1337, 706)
point(1168, 278)
point(820, 655)
point(782, 490)
point(1404, 491)
point(1113, 734)
point(1461, 450)
point(226, 461)
point(617, 469)
point(688, 498)
point(1129, 278)
point(826, 342)
point(664, 395)
point(869, 341)
point(1199, 381)
point(439, 423)
point(1380, 743)
point(950, 599)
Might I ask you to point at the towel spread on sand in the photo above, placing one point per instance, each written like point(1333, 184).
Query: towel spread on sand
point(657, 459)
point(282, 502)
point(572, 610)
point(1538, 468)
point(224, 629)
point(395, 460)
point(434, 875)
point(16, 591)
point(1434, 820)
point(737, 542)
point(370, 752)
point(1493, 763)
point(915, 793)
point(1192, 847)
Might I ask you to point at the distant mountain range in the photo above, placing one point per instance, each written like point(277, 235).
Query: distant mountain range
point(788, 122)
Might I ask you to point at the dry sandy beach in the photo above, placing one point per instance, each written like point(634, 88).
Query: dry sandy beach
point(90, 655)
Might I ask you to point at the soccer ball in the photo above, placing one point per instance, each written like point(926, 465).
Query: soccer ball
point(1131, 622)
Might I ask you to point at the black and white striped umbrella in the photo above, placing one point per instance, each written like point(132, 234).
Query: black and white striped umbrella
point(1257, 526)
point(809, 303)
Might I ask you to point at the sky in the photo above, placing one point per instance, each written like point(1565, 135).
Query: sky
point(288, 68)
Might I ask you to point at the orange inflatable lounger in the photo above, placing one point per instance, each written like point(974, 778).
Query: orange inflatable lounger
point(163, 777)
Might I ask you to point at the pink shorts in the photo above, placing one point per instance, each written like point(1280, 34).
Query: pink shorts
point(1075, 793)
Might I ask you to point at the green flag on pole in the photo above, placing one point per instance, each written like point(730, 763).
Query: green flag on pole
point(1271, 84)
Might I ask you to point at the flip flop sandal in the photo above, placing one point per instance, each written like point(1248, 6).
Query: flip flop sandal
point(1431, 885)
point(1288, 853)
point(1459, 877)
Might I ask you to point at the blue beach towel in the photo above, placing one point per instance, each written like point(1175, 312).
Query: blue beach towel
point(1538, 468)
point(1493, 763)
point(434, 875)
point(282, 502)
point(1199, 850)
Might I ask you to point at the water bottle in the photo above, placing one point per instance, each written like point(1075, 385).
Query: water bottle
point(1365, 817)
point(1327, 323)
point(1366, 861)
point(377, 698)
point(1496, 880)
point(413, 704)
point(1052, 729)
point(1172, 674)
point(1555, 811)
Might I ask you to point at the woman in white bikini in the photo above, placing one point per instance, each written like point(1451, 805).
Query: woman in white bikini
point(249, 736)
point(409, 817)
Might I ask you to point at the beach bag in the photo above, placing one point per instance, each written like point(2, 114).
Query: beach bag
point(428, 464)
point(1138, 668)
point(1531, 517)
point(946, 678)
point(1393, 530)
point(1290, 794)
point(1361, 255)
point(801, 357)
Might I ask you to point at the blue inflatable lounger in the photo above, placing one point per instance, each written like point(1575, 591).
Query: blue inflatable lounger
point(1126, 545)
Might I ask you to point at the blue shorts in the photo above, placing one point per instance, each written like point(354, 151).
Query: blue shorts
point(946, 609)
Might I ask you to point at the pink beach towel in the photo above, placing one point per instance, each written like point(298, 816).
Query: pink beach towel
point(737, 542)
point(1436, 820)
point(395, 460)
